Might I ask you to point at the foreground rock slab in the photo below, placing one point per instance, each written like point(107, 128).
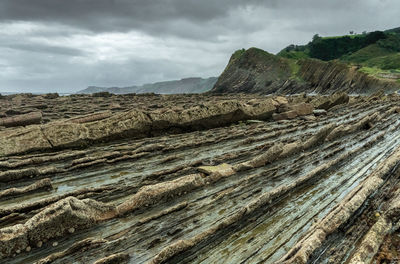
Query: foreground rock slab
point(212, 181)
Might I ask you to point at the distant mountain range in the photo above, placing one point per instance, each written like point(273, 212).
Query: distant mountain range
point(187, 85)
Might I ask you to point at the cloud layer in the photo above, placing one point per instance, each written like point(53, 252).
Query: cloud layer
point(64, 46)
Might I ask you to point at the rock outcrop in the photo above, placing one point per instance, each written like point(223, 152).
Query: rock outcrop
point(132, 124)
point(39, 185)
point(329, 77)
point(293, 111)
point(60, 218)
point(21, 120)
point(327, 102)
point(257, 71)
point(82, 131)
point(322, 188)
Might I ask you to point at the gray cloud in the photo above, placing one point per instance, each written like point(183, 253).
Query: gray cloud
point(115, 15)
point(43, 48)
point(57, 45)
point(174, 17)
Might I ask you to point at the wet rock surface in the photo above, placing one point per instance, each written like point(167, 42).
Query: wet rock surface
point(211, 180)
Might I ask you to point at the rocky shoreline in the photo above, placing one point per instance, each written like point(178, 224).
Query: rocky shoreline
point(213, 178)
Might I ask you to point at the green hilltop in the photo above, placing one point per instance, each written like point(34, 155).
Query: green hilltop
point(375, 53)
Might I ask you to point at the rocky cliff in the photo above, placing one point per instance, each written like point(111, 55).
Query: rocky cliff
point(327, 77)
point(256, 71)
point(187, 85)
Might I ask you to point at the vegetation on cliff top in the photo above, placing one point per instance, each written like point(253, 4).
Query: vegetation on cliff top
point(330, 48)
point(257, 58)
point(255, 70)
point(377, 53)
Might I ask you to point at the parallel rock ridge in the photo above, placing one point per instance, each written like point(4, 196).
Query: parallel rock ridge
point(134, 124)
point(104, 126)
point(22, 120)
point(252, 179)
point(328, 77)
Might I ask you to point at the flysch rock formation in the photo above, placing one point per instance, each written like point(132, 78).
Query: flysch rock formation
point(216, 179)
point(257, 71)
point(138, 124)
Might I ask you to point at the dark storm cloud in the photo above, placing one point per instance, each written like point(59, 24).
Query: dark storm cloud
point(114, 15)
point(167, 16)
point(67, 45)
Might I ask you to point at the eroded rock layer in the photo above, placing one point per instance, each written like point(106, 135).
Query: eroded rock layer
point(222, 181)
point(333, 76)
point(257, 71)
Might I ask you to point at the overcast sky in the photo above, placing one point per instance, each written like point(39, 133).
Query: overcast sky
point(67, 45)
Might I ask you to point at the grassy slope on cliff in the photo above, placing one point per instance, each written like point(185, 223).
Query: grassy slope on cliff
point(376, 53)
point(330, 48)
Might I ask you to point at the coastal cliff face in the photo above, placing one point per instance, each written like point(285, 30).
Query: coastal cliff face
point(257, 71)
point(328, 77)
